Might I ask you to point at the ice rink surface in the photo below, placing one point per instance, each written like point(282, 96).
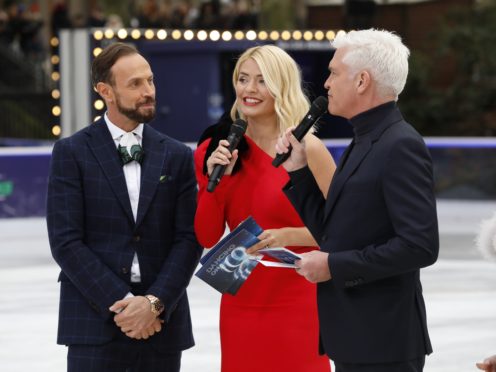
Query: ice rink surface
point(460, 295)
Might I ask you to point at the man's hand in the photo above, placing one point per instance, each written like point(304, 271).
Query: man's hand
point(136, 319)
point(298, 157)
point(488, 365)
point(154, 328)
point(314, 267)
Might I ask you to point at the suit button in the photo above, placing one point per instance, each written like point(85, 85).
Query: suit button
point(136, 238)
point(124, 270)
point(324, 238)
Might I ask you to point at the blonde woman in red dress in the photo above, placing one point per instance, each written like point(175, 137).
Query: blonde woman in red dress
point(271, 324)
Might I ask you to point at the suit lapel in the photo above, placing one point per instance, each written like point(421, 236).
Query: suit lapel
point(103, 147)
point(151, 168)
point(351, 160)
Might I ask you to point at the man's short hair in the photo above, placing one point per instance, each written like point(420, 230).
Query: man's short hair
point(102, 64)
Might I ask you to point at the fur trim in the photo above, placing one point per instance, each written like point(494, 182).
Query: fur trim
point(486, 238)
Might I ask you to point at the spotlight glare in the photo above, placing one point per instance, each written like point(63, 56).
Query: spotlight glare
point(55, 60)
point(135, 34)
point(97, 51)
point(330, 35)
point(54, 42)
point(55, 76)
point(55, 94)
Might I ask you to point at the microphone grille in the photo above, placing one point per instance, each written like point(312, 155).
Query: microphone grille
point(319, 105)
point(238, 127)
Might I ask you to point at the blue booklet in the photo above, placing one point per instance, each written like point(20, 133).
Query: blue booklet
point(227, 265)
point(281, 254)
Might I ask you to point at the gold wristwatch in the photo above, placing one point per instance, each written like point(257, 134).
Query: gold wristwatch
point(156, 305)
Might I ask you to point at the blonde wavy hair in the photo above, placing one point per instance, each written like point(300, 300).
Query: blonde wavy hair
point(283, 80)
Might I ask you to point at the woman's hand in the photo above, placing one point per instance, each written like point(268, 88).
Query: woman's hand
point(222, 156)
point(269, 239)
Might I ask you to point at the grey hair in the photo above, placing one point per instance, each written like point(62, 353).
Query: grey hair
point(379, 52)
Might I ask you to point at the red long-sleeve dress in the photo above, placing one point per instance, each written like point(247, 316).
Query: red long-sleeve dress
point(271, 324)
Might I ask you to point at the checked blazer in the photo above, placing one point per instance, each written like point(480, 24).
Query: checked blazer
point(379, 226)
point(93, 235)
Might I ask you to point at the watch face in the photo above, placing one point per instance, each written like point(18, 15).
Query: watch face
point(156, 304)
point(159, 306)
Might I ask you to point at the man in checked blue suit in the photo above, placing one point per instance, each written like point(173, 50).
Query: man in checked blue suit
point(120, 210)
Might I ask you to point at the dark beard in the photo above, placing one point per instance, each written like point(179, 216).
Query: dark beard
point(134, 113)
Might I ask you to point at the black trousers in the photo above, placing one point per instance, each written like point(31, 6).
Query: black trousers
point(122, 354)
point(416, 365)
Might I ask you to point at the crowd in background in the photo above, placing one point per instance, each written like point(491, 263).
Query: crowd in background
point(21, 24)
point(234, 14)
point(20, 28)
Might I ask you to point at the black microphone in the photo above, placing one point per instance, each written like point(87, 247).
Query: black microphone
point(318, 108)
point(238, 128)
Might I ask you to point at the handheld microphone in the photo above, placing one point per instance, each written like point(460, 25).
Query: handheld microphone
point(238, 128)
point(318, 108)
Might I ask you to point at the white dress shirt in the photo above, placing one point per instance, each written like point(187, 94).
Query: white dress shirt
point(132, 173)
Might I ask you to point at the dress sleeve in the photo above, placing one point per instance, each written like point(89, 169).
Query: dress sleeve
point(210, 221)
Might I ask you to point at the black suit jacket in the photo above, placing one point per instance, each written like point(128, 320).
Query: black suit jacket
point(379, 225)
point(93, 235)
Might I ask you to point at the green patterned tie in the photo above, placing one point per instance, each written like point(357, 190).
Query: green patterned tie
point(129, 149)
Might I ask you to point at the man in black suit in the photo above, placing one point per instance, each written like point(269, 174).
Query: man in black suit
point(378, 226)
point(120, 210)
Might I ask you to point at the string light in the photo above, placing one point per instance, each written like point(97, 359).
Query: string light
point(122, 33)
point(98, 104)
point(214, 35)
point(98, 35)
point(56, 130)
point(161, 34)
point(189, 35)
point(56, 111)
point(251, 35)
point(226, 36)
